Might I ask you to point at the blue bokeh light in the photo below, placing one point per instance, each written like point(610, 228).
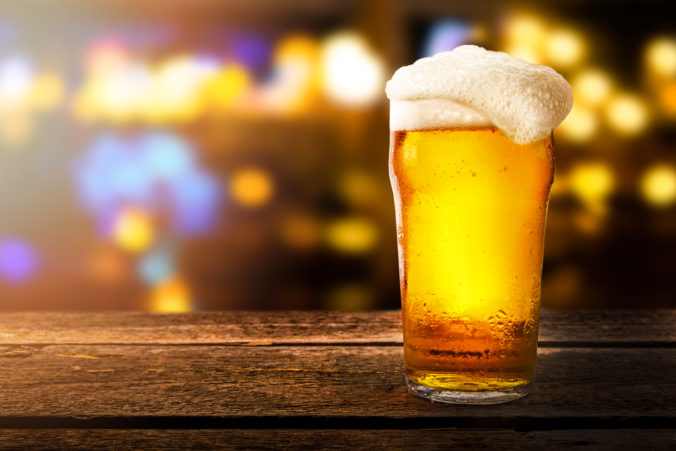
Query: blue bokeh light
point(196, 203)
point(445, 35)
point(18, 260)
point(156, 267)
point(165, 157)
point(156, 171)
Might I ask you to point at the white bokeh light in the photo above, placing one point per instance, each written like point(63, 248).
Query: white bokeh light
point(353, 74)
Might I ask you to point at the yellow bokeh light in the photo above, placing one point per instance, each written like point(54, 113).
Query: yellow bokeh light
point(297, 47)
point(667, 98)
point(16, 128)
point(115, 99)
point(524, 34)
point(133, 230)
point(295, 84)
point(117, 96)
point(175, 94)
point(592, 86)
point(627, 114)
point(176, 89)
point(227, 87)
point(47, 91)
point(353, 74)
point(171, 296)
point(358, 187)
point(84, 108)
point(251, 187)
point(658, 185)
point(660, 57)
point(579, 126)
point(565, 48)
point(591, 182)
point(351, 235)
point(525, 29)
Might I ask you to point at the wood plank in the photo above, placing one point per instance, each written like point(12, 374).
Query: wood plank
point(558, 328)
point(245, 385)
point(432, 439)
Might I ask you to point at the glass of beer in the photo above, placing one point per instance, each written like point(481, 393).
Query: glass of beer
point(471, 167)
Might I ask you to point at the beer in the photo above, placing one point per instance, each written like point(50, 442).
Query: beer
point(471, 165)
point(471, 208)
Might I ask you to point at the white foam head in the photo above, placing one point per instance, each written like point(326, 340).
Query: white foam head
point(474, 87)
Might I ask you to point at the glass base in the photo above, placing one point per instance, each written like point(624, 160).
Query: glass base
point(468, 397)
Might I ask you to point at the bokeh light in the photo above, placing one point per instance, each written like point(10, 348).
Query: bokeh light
point(627, 114)
point(106, 55)
point(592, 86)
point(18, 260)
point(155, 171)
point(658, 185)
point(251, 187)
point(667, 98)
point(47, 91)
point(591, 182)
point(227, 87)
point(175, 90)
point(446, 35)
point(353, 73)
point(171, 296)
point(178, 84)
point(524, 34)
point(296, 76)
point(156, 267)
point(351, 235)
point(565, 48)
point(356, 187)
point(153, 163)
point(16, 75)
point(581, 125)
point(252, 50)
point(16, 129)
point(133, 230)
point(660, 57)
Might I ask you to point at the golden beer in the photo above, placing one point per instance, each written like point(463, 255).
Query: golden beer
point(471, 207)
point(471, 165)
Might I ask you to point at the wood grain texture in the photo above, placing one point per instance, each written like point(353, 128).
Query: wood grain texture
point(316, 380)
point(273, 439)
point(317, 384)
point(591, 328)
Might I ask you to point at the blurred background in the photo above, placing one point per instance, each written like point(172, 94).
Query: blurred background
point(177, 156)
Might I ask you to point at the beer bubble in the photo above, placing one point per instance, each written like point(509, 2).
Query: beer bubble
point(471, 86)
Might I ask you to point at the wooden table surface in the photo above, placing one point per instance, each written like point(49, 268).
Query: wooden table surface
point(605, 380)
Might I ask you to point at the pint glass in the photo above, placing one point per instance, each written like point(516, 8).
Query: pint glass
point(470, 209)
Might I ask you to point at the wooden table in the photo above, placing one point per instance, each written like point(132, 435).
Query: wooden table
point(319, 380)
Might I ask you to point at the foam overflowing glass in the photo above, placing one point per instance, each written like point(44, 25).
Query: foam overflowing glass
point(471, 165)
